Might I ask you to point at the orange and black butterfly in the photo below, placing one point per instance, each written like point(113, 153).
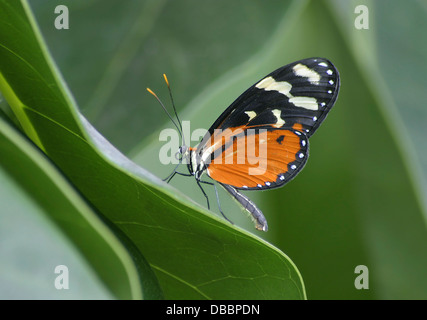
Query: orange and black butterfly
point(261, 140)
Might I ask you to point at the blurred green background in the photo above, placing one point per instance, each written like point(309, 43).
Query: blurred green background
point(361, 200)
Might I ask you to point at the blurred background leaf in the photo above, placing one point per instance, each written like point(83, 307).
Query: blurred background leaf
point(361, 200)
point(42, 220)
point(28, 264)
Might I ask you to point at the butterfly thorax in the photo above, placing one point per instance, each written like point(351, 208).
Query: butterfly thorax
point(195, 164)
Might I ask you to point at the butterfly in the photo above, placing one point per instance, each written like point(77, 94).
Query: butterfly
point(261, 141)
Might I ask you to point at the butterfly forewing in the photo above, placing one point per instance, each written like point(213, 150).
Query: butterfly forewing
point(301, 92)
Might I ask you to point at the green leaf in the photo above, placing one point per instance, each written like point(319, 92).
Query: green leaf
point(193, 253)
point(44, 221)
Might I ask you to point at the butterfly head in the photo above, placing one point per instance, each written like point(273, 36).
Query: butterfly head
point(190, 156)
point(183, 152)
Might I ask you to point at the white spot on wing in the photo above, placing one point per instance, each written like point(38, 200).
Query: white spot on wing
point(269, 84)
point(305, 102)
point(251, 114)
point(323, 64)
point(329, 72)
point(278, 114)
point(283, 87)
point(303, 71)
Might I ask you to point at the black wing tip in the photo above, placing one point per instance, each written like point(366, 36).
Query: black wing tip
point(318, 61)
point(317, 64)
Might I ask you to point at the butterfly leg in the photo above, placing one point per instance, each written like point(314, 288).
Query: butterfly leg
point(169, 177)
point(217, 198)
point(203, 191)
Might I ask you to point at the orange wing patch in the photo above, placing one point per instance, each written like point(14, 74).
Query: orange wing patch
point(297, 126)
point(260, 159)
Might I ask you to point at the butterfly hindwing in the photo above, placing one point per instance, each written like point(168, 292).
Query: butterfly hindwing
point(257, 158)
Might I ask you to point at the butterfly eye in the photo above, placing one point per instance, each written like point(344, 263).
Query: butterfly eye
point(181, 152)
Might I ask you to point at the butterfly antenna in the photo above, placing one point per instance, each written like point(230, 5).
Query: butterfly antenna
point(167, 112)
point(173, 104)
